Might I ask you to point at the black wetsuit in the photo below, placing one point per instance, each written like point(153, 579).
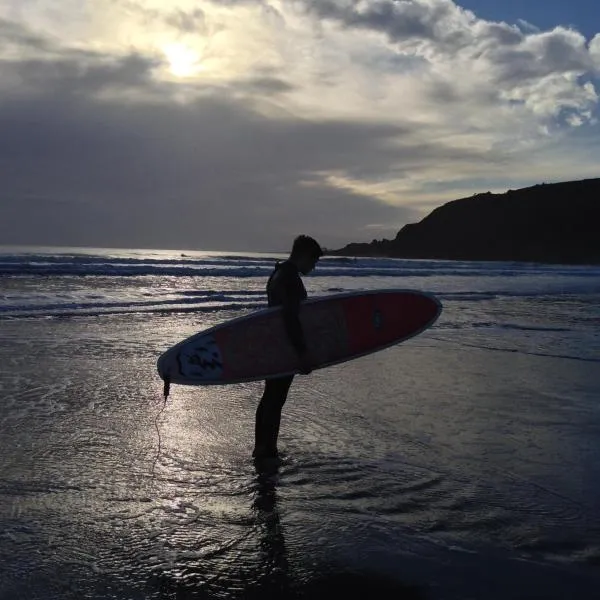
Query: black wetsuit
point(285, 289)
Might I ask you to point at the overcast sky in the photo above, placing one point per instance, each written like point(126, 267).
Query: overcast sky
point(237, 124)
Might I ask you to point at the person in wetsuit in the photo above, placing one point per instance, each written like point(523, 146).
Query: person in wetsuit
point(285, 289)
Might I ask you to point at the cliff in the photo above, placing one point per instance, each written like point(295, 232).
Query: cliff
point(554, 223)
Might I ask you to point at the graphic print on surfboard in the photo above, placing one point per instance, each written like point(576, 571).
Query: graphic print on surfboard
point(201, 359)
point(337, 328)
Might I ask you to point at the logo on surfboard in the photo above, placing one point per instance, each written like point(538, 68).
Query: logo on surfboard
point(377, 319)
point(201, 359)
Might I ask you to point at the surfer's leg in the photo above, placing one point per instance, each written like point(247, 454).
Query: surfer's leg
point(268, 415)
point(279, 398)
point(262, 418)
point(259, 428)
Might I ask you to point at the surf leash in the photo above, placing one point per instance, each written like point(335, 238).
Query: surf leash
point(166, 389)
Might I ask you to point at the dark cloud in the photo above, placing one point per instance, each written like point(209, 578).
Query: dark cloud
point(400, 20)
point(212, 174)
point(79, 73)
point(267, 85)
point(561, 51)
point(500, 33)
point(83, 167)
point(441, 21)
point(514, 55)
point(193, 21)
point(17, 34)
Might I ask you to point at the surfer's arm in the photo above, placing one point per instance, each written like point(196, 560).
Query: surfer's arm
point(290, 309)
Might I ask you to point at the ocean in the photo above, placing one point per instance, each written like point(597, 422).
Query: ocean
point(463, 463)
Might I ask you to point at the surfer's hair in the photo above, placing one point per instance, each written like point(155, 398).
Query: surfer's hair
point(304, 244)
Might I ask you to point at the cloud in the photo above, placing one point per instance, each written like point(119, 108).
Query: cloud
point(455, 43)
point(528, 27)
point(400, 21)
point(560, 51)
point(17, 34)
point(73, 74)
point(441, 21)
point(187, 21)
point(326, 117)
point(211, 173)
point(267, 85)
point(595, 52)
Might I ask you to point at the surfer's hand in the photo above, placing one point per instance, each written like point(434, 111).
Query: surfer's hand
point(306, 363)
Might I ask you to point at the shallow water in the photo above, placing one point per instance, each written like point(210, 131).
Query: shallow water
point(460, 464)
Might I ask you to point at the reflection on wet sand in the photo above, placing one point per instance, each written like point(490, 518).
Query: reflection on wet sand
point(278, 580)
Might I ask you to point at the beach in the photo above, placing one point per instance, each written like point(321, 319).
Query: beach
point(463, 463)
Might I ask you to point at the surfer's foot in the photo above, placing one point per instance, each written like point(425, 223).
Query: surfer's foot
point(267, 465)
point(264, 453)
point(261, 453)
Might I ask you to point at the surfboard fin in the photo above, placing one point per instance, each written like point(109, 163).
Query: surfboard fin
point(167, 386)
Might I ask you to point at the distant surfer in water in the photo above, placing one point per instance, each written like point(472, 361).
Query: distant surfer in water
point(285, 289)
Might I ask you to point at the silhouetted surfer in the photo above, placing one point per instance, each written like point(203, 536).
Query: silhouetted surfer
point(285, 289)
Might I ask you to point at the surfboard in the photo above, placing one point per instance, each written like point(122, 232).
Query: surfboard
point(337, 328)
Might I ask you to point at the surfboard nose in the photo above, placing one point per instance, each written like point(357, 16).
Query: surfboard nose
point(160, 366)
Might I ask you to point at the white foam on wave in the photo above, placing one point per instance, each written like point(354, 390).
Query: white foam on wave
point(87, 283)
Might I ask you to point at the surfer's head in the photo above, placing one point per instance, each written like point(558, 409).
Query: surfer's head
point(306, 253)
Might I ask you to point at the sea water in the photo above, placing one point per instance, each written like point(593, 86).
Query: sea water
point(463, 463)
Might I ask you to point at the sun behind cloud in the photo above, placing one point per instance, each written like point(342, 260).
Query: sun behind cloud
point(183, 60)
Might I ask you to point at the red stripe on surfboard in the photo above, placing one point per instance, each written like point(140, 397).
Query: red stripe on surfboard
point(381, 319)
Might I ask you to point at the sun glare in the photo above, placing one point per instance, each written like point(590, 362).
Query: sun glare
point(183, 60)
